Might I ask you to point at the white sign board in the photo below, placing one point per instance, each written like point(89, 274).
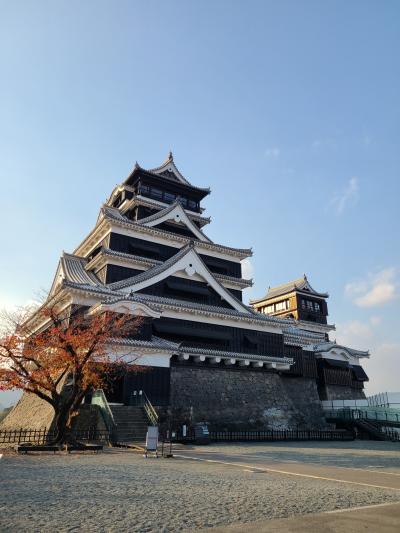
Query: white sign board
point(152, 438)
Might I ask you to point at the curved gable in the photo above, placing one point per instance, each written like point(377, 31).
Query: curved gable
point(177, 214)
point(186, 260)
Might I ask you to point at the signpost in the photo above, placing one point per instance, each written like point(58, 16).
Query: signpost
point(151, 440)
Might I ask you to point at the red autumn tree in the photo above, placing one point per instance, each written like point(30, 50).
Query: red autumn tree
point(61, 357)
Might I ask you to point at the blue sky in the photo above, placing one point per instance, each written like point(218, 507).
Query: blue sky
point(288, 110)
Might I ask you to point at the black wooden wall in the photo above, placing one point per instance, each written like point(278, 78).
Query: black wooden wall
point(152, 250)
point(200, 334)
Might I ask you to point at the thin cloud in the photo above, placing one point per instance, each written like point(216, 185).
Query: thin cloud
point(272, 152)
point(323, 143)
point(383, 367)
point(355, 334)
point(348, 197)
point(376, 290)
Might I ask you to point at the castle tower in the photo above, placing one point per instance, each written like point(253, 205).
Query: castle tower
point(208, 355)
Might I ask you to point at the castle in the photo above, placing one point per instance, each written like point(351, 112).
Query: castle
point(209, 356)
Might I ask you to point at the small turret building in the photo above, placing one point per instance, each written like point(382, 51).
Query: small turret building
point(296, 299)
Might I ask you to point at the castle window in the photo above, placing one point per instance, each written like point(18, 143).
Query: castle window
point(156, 193)
point(303, 304)
point(310, 306)
point(169, 197)
point(269, 309)
point(192, 204)
point(144, 189)
point(282, 306)
point(317, 307)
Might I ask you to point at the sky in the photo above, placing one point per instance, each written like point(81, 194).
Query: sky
point(289, 111)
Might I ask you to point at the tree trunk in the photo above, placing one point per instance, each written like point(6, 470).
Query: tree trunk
point(66, 411)
point(63, 426)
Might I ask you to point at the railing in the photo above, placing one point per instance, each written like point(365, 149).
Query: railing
point(341, 404)
point(140, 398)
point(270, 435)
point(384, 415)
point(99, 398)
point(385, 399)
point(392, 434)
point(42, 436)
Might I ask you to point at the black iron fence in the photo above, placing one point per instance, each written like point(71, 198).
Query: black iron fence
point(268, 435)
point(392, 434)
point(43, 436)
point(280, 435)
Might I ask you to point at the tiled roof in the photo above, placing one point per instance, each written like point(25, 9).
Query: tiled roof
point(74, 270)
point(167, 168)
point(163, 267)
point(155, 342)
point(130, 257)
point(310, 334)
point(300, 284)
point(166, 211)
point(168, 165)
point(241, 282)
point(149, 298)
point(156, 204)
point(297, 336)
point(236, 355)
point(326, 346)
point(114, 214)
point(183, 304)
point(159, 214)
point(159, 343)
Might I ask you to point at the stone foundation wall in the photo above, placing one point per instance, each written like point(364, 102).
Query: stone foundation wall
point(232, 399)
point(89, 417)
point(29, 413)
point(33, 413)
point(336, 392)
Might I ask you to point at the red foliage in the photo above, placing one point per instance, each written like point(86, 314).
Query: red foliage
point(39, 354)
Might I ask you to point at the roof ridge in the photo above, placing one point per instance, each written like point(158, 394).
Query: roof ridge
point(74, 257)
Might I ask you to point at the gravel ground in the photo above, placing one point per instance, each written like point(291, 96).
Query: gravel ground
point(121, 491)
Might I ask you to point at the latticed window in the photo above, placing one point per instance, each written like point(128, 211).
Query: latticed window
point(169, 197)
point(282, 306)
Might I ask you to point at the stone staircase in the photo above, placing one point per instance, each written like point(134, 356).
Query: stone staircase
point(131, 423)
point(373, 430)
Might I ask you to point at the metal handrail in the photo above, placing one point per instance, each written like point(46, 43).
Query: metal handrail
point(99, 398)
point(370, 414)
point(142, 399)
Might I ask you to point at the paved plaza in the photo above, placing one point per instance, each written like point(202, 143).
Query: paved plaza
point(237, 487)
